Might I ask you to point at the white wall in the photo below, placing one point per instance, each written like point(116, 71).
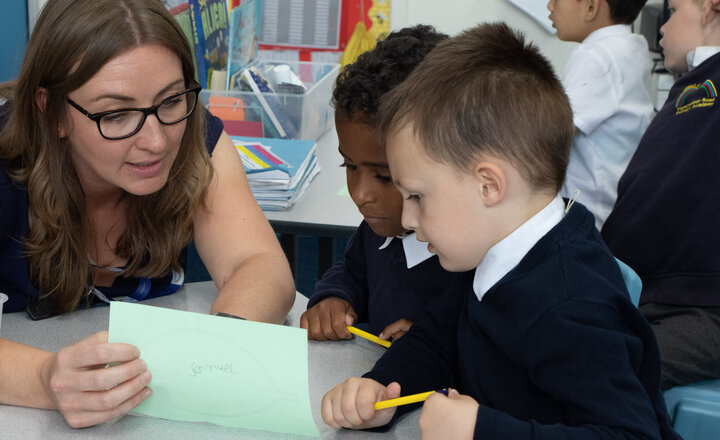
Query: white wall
point(34, 7)
point(452, 16)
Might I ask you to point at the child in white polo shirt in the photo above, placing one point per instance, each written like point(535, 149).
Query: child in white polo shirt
point(607, 79)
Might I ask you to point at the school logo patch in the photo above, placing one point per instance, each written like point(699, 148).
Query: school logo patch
point(696, 96)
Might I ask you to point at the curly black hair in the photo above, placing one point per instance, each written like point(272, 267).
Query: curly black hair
point(360, 85)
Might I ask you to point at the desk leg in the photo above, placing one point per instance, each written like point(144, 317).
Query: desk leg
point(289, 246)
point(325, 254)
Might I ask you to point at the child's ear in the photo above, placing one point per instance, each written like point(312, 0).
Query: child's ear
point(710, 11)
point(492, 182)
point(592, 8)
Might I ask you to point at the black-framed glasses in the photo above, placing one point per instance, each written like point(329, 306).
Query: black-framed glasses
point(125, 122)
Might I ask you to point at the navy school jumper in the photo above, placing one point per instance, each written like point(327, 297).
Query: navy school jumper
point(555, 350)
point(377, 283)
point(666, 221)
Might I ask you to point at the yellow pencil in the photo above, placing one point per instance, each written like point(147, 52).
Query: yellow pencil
point(368, 336)
point(413, 398)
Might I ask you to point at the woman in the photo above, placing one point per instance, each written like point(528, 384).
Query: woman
point(108, 170)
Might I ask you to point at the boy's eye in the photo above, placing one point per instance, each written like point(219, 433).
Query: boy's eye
point(384, 179)
point(350, 167)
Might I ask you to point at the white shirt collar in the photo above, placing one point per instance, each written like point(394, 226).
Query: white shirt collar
point(700, 54)
point(415, 251)
point(608, 31)
point(507, 253)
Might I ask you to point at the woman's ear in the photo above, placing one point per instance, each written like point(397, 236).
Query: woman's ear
point(492, 182)
point(41, 97)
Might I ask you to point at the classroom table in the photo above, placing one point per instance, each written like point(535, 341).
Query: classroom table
point(329, 364)
point(324, 210)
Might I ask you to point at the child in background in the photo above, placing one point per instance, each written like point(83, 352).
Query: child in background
point(666, 222)
point(387, 276)
point(539, 332)
point(607, 79)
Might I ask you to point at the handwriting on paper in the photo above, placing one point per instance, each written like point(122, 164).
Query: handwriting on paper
point(198, 369)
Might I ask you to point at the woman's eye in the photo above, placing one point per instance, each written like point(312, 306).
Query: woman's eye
point(172, 102)
point(116, 117)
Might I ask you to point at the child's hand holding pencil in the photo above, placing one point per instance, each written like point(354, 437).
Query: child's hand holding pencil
point(328, 319)
point(360, 403)
point(351, 404)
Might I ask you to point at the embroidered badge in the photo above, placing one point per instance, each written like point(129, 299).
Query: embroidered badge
point(696, 96)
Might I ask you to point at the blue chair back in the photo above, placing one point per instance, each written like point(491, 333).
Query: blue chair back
point(632, 282)
point(694, 409)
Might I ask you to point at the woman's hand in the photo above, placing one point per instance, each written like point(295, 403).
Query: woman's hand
point(352, 404)
point(328, 319)
point(448, 417)
point(85, 390)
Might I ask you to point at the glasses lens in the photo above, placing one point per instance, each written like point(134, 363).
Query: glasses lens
point(120, 124)
point(177, 108)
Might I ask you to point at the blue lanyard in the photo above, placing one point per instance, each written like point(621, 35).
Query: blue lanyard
point(143, 289)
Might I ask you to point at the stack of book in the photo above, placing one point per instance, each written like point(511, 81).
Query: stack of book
point(278, 170)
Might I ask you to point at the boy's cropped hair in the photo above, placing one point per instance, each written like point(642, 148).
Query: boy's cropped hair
point(486, 91)
point(625, 11)
point(359, 86)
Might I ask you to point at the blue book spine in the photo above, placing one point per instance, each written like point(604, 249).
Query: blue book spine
point(199, 38)
point(245, 22)
point(216, 32)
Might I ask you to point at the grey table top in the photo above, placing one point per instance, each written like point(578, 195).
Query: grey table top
point(322, 210)
point(329, 364)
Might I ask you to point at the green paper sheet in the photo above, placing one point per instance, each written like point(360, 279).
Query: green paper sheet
point(343, 192)
point(220, 370)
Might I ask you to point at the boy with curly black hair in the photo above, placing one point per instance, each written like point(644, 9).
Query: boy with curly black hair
point(387, 276)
